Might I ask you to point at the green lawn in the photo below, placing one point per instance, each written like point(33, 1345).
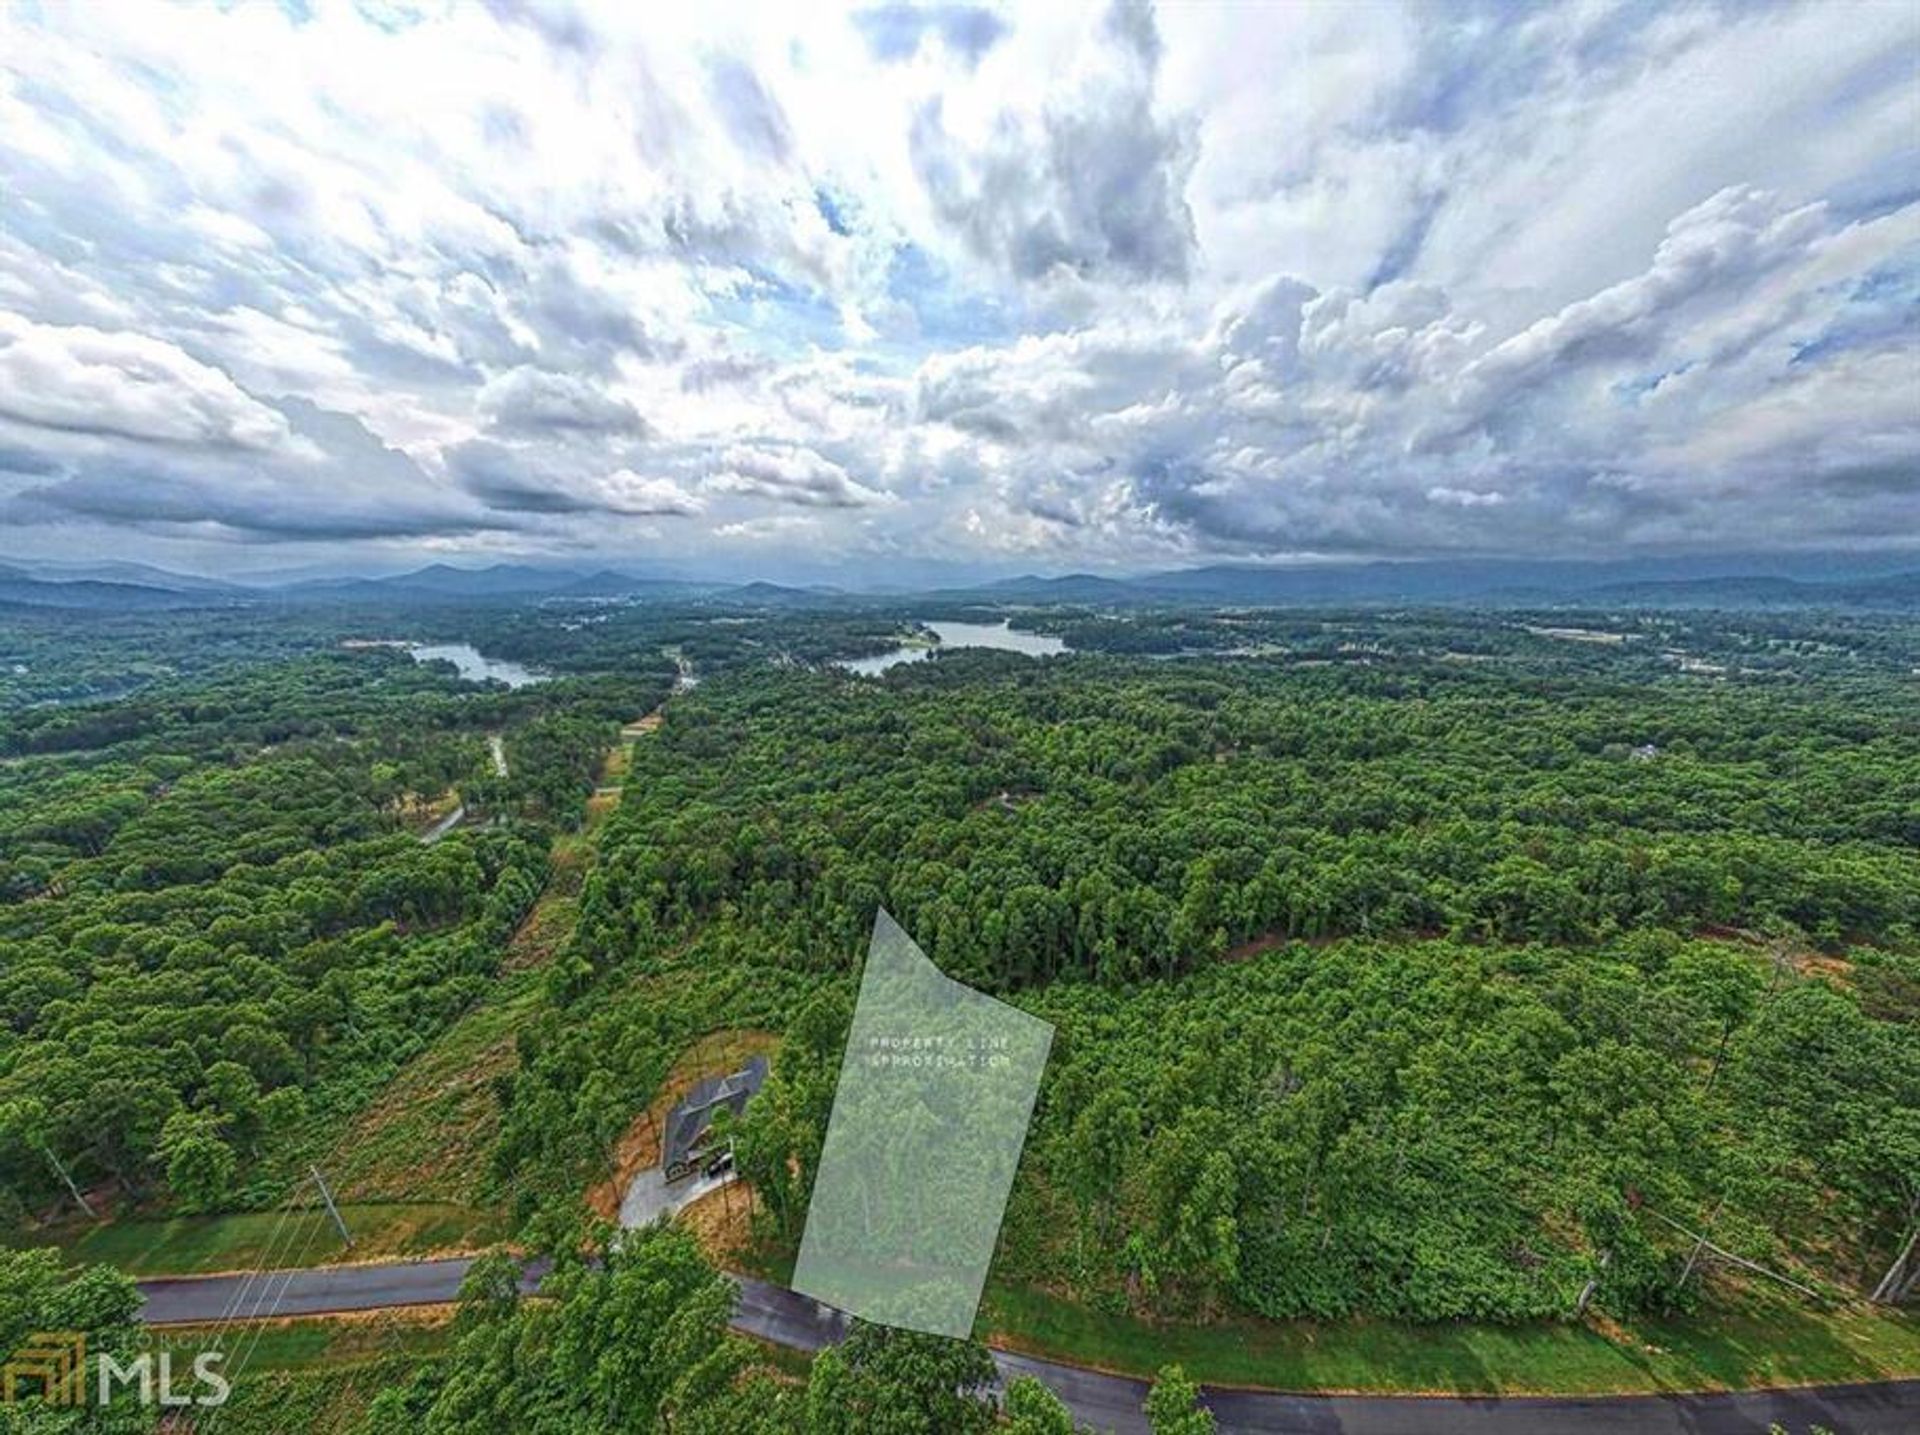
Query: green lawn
point(1770, 1345)
point(195, 1245)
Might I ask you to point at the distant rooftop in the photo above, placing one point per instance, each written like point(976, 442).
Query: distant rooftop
point(689, 1120)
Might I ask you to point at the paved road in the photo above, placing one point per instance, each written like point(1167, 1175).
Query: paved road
point(445, 825)
point(1112, 1402)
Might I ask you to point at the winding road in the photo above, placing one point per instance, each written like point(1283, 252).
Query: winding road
point(1113, 1402)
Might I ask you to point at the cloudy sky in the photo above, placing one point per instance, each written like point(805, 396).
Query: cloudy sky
point(1048, 286)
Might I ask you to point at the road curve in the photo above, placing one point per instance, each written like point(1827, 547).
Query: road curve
point(1113, 1402)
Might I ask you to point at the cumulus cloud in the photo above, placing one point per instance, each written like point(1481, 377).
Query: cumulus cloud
point(87, 380)
point(336, 483)
point(1336, 422)
point(1465, 497)
point(1071, 285)
point(794, 474)
point(1090, 186)
point(526, 400)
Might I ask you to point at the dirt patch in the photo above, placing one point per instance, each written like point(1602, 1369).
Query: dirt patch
point(418, 811)
point(1247, 951)
point(1837, 970)
point(383, 1316)
point(722, 1221)
point(641, 726)
point(639, 1146)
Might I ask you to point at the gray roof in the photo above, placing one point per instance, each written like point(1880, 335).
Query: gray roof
point(694, 1112)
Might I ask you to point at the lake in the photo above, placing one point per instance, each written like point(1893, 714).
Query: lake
point(473, 666)
point(960, 635)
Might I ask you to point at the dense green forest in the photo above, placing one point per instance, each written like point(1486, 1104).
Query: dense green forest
point(1414, 965)
point(1402, 988)
point(224, 925)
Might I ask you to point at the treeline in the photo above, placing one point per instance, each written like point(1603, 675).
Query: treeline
point(1028, 828)
point(1624, 643)
point(1437, 1132)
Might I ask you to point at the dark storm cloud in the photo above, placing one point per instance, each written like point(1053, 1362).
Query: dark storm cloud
point(244, 505)
point(338, 483)
point(26, 462)
point(791, 474)
point(504, 478)
point(501, 479)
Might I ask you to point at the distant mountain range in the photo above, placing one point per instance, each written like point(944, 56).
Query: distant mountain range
point(18, 586)
point(504, 582)
point(1789, 581)
point(1639, 583)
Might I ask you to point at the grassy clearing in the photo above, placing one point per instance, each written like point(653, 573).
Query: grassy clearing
point(333, 1342)
point(198, 1245)
point(427, 1136)
point(1764, 1343)
point(316, 1402)
point(1768, 1345)
point(318, 1375)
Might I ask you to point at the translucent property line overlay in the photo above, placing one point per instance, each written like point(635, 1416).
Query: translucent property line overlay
point(935, 1094)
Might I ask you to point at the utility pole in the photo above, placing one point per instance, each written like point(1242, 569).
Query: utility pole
point(70, 1186)
point(332, 1210)
point(1586, 1293)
